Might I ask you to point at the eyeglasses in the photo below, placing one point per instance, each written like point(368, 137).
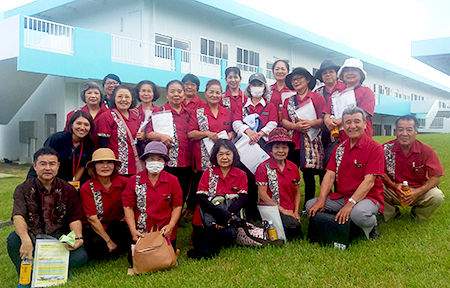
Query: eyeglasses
point(111, 83)
point(297, 79)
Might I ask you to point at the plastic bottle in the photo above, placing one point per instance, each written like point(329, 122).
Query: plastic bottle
point(25, 271)
point(406, 190)
point(280, 112)
point(335, 131)
point(272, 232)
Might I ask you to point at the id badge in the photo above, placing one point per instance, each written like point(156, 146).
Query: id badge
point(75, 184)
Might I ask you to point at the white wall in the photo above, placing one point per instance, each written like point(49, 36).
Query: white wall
point(9, 33)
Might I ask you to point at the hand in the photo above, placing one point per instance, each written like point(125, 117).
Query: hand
point(26, 249)
point(77, 245)
point(134, 111)
point(409, 198)
point(167, 230)
point(398, 191)
point(317, 207)
point(302, 126)
point(167, 140)
point(287, 212)
point(231, 135)
point(140, 135)
point(330, 123)
point(111, 245)
point(219, 227)
point(135, 235)
point(254, 136)
point(344, 214)
point(213, 136)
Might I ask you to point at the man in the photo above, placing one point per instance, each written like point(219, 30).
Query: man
point(357, 166)
point(110, 82)
point(408, 159)
point(45, 205)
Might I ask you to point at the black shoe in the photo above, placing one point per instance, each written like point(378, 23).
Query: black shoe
point(375, 233)
point(304, 213)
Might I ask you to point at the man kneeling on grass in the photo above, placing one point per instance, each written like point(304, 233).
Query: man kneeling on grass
point(408, 159)
point(357, 166)
point(45, 205)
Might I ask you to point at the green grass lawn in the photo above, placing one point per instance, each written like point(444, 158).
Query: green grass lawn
point(408, 254)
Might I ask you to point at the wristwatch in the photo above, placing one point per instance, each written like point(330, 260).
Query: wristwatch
point(351, 200)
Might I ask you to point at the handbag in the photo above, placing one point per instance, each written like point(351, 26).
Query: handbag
point(255, 235)
point(223, 202)
point(153, 252)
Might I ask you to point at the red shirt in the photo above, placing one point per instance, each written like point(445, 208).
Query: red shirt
point(181, 121)
point(417, 167)
point(269, 114)
point(288, 180)
point(234, 183)
point(322, 90)
point(236, 102)
point(319, 105)
point(216, 124)
point(365, 99)
point(366, 157)
point(195, 103)
point(111, 200)
point(161, 199)
point(107, 127)
point(142, 113)
point(276, 95)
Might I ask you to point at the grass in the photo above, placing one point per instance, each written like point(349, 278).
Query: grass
point(408, 254)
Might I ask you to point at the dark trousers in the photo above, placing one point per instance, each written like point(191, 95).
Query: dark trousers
point(77, 258)
point(209, 241)
point(184, 175)
point(95, 245)
point(192, 200)
point(251, 209)
point(292, 227)
point(310, 182)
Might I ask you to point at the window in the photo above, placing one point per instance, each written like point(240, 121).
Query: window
point(212, 51)
point(247, 60)
point(269, 73)
point(387, 91)
point(315, 71)
point(380, 89)
point(165, 46)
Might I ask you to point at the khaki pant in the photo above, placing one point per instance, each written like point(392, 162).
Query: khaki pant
point(422, 207)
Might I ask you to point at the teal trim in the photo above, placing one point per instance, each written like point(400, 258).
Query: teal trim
point(430, 47)
point(259, 70)
point(223, 67)
point(177, 61)
point(392, 106)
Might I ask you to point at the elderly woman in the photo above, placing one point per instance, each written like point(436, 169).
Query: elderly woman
point(280, 70)
point(110, 82)
point(228, 183)
point(278, 179)
point(308, 153)
point(233, 98)
point(153, 198)
point(191, 84)
point(180, 158)
point(147, 93)
point(118, 129)
point(353, 74)
point(106, 235)
point(74, 148)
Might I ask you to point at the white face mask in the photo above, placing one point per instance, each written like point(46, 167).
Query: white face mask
point(257, 91)
point(154, 167)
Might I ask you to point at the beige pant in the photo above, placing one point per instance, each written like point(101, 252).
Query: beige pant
point(422, 207)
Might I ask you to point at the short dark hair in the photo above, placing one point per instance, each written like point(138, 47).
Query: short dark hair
point(112, 77)
point(155, 89)
point(228, 145)
point(191, 77)
point(91, 85)
point(353, 110)
point(409, 118)
point(80, 113)
point(213, 82)
point(174, 82)
point(44, 151)
point(112, 104)
point(234, 69)
point(286, 62)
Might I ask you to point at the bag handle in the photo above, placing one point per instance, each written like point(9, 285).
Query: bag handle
point(261, 241)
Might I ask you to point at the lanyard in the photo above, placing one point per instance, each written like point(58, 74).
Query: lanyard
point(75, 169)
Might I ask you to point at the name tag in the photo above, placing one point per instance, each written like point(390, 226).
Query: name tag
point(226, 123)
point(265, 113)
point(75, 184)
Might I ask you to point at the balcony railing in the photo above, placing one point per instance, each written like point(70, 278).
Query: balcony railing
point(438, 123)
point(49, 36)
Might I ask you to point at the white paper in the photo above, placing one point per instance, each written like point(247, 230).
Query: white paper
point(251, 155)
point(163, 123)
point(51, 263)
point(271, 213)
point(210, 143)
point(343, 100)
point(307, 112)
point(286, 95)
point(148, 115)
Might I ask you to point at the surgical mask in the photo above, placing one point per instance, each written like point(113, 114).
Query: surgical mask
point(154, 167)
point(257, 91)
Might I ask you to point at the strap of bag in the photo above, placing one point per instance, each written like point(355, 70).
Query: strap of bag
point(256, 239)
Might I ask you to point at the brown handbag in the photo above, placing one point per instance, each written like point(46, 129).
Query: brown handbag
point(153, 253)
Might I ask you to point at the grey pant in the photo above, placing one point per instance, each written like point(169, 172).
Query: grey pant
point(364, 214)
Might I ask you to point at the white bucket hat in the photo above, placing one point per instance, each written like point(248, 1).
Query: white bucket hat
point(354, 63)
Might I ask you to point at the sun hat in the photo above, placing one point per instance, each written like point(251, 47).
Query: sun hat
point(353, 63)
point(300, 71)
point(279, 134)
point(326, 64)
point(155, 147)
point(101, 154)
point(257, 76)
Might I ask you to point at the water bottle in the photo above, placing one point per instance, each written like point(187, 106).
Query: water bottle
point(272, 232)
point(335, 131)
point(406, 190)
point(25, 272)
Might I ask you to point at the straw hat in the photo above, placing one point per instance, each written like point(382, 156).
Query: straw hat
point(101, 154)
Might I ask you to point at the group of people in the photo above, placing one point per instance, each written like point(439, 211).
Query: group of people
point(133, 177)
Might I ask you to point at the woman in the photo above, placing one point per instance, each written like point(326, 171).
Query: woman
point(110, 82)
point(153, 198)
point(280, 70)
point(233, 98)
point(180, 159)
point(222, 179)
point(278, 179)
point(118, 129)
point(74, 148)
point(106, 235)
point(191, 85)
point(308, 153)
point(207, 122)
point(353, 75)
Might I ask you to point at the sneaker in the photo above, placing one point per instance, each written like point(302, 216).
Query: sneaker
point(304, 213)
point(375, 233)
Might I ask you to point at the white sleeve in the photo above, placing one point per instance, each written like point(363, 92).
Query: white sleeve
point(269, 127)
point(239, 127)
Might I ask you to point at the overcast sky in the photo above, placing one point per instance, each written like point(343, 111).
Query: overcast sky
point(382, 28)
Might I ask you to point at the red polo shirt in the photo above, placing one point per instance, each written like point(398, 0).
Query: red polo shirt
point(269, 114)
point(236, 102)
point(161, 199)
point(234, 183)
point(287, 181)
point(111, 200)
point(418, 166)
point(322, 90)
point(216, 124)
point(107, 126)
point(276, 95)
point(319, 105)
point(364, 158)
point(194, 104)
point(181, 121)
point(142, 113)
